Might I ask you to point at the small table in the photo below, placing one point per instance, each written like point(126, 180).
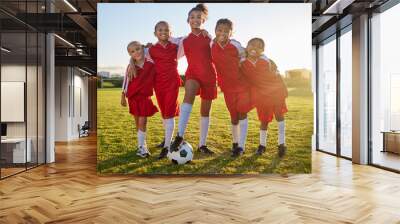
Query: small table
point(16, 147)
point(391, 141)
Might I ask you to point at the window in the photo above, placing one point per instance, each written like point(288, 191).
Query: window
point(346, 94)
point(23, 76)
point(327, 96)
point(385, 88)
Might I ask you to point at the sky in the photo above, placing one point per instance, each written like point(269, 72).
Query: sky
point(285, 28)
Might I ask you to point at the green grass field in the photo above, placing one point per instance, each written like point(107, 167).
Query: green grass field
point(117, 140)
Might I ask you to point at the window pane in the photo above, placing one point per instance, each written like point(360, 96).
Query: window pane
point(327, 97)
point(31, 97)
point(41, 98)
point(13, 85)
point(346, 94)
point(385, 86)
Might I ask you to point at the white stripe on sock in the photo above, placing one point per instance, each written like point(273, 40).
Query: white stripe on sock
point(169, 131)
point(243, 124)
point(186, 109)
point(263, 137)
point(281, 129)
point(141, 138)
point(235, 133)
point(204, 124)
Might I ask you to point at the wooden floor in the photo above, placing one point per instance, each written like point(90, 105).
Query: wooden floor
point(387, 159)
point(69, 191)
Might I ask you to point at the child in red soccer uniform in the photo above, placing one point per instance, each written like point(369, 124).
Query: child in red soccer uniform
point(226, 54)
point(138, 89)
point(268, 92)
point(167, 80)
point(200, 78)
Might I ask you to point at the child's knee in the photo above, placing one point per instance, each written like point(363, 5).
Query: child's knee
point(242, 116)
point(234, 121)
point(263, 125)
point(205, 108)
point(189, 97)
point(280, 118)
point(205, 113)
point(142, 121)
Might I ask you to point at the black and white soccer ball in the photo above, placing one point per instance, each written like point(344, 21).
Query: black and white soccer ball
point(183, 155)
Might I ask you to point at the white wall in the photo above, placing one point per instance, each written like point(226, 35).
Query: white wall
point(16, 73)
point(33, 126)
point(71, 87)
point(62, 82)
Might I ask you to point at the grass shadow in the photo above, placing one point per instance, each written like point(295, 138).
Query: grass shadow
point(124, 159)
point(274, 164)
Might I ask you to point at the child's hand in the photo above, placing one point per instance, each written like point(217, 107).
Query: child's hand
point(205, 33)
point(148, 45)
point(274, 67)
point(123, 100)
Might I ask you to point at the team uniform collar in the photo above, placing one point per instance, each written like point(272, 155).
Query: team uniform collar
point(253, 62)
point(197, 35)
point(223, 47)
point(142, 65)
point(164, 46)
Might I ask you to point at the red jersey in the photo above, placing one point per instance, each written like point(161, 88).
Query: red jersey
point(263, 81)
point(143, 83)
point(226, 60)
point(166, 65)
point(198, 53)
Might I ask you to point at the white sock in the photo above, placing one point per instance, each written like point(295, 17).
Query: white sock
point(263, 137)
point(243, 124)
point(235, 133)
point(204, 124)
point(281, 129)
point(141, 138)
point(186, 109)
point(169, 131)
point(165, 129)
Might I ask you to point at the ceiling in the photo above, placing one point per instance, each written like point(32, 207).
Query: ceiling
point(75, 22)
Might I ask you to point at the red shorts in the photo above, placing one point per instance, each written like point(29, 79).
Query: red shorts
point(237, 102)
point(141, 106)
point(267, 108)
point(207, 91)
point(168, 102)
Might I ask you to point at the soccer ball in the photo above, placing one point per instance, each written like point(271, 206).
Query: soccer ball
point(183, 155)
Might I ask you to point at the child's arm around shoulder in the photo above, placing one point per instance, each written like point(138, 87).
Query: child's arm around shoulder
point(241, 50)
point(272, 64)
point(274, 67)
point(179, 42)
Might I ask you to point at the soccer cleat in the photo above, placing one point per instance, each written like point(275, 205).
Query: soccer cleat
point(161, 145)
point(238, 151)
point(143, 152)
point(163, 153)
point(261, 149)
point(281, 150)
point(176, 143)
point(205, 149)
point(234, 146)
